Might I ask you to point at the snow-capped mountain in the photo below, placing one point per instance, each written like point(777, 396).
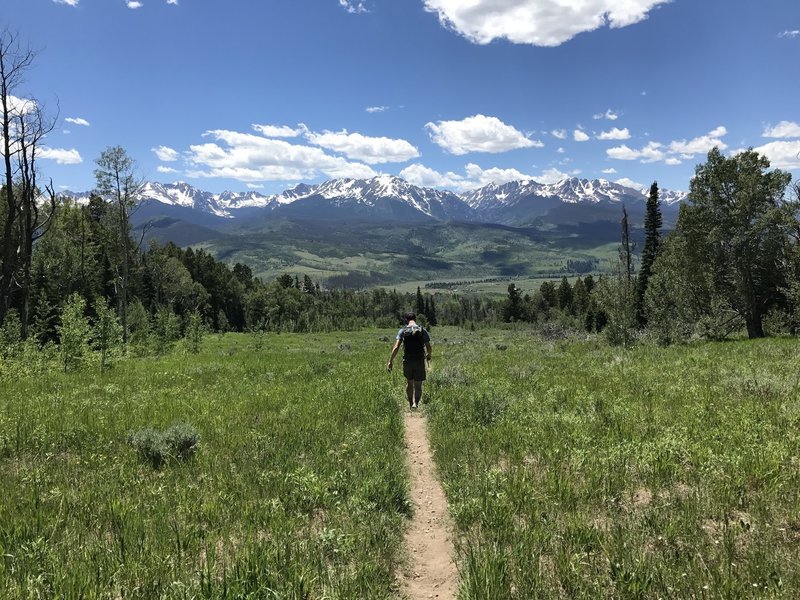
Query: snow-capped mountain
point(387, 197)
point(522, 202)
point(384, 195)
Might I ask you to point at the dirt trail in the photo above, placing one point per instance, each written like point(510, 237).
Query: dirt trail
point(429, 571)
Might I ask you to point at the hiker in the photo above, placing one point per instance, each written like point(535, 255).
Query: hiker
point(416, 350)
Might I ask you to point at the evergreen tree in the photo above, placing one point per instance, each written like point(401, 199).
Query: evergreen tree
point(107, 332)
point(564, 295)
point(652, 245)
point(513, 306)
point(419, 307)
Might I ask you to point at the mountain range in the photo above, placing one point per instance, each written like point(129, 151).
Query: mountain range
point(388, 198)
point(387, 231)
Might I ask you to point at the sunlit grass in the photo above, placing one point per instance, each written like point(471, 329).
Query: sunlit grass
point(297, 490)
point(574, 470)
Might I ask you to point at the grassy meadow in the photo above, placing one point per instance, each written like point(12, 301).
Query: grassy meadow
point(578, 471)
point(573, 470)
point(298, 489)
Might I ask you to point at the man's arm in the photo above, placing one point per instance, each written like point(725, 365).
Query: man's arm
point(428, 350)
point(395, 348)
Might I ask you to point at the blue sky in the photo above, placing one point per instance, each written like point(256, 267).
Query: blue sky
point(247, 94)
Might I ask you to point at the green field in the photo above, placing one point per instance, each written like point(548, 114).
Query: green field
point(572, 470)
point(358, 255)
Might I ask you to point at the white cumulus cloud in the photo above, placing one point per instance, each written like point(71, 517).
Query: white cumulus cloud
point(175, 2)
point(673, 153)
point(790, 33)
point(782, 154)
point(255, 186)
point(652, 152)
point(376, 109)
point(252, 158)
point(615, 134)
point(536, 22)
point(165, 153)
point(478, 133)
point(560, 134)
point(580, 135)
point(784, 129)
point(371, 150)
point(474, 177)
point(61, 155)
point(134, 4)
point(609, 171)
point(77, 121)
point(163, 169)
point(279, 131)
point(699, 145)
point(67, 2)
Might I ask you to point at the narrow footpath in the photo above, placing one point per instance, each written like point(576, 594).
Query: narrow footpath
point(429, 571)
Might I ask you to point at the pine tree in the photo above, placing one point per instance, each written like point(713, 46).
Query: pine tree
point(652, 246)
point(420, 304)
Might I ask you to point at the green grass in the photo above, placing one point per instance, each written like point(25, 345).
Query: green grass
point(574, 470)
point(298, 489)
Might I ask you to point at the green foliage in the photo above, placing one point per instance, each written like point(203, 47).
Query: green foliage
point(107, 332)
point(616, 297)
point(194, 332)
point(652, 246)
point(74, 333)
point(156, 447)
point(10, 334)
point(166, 330)
point(733, 245)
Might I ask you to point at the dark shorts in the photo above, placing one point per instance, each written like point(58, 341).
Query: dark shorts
point(414, 368)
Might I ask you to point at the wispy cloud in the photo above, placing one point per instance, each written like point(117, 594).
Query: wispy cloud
point(561, 134)
point(173, 2)
point(609, 114)
point(163, 169)
point(279, 131)
point(134, 4)
point(77, 121)
point(789, 34)
point(255, 186)
point(376, 109)
point(536, 22)
point(478, 133)
point(67, 2)
point(353, 6)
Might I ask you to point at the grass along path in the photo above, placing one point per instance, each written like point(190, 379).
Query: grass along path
point(429, 570)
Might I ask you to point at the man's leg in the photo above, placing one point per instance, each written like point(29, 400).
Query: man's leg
point(417, 392)
point(410, 391)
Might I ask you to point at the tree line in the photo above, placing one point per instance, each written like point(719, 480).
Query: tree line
point(732, 263)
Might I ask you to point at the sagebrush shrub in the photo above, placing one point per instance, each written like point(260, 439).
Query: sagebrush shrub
point(156, 447)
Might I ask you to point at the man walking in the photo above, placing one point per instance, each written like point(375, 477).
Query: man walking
point(416, 350)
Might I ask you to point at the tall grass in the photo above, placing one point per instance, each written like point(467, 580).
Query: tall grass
point(578, 471)
point(296, 488)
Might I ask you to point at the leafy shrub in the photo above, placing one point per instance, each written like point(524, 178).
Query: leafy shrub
point(182, 439)
point(157, 447)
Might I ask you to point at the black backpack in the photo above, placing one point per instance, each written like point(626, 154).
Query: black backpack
point(413, 341)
